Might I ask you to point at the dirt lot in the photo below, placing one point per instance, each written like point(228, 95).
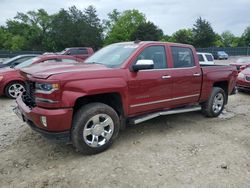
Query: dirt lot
point(186, 150)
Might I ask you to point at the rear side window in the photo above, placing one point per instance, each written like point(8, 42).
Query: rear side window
point(78, 51)
point(201, 59)
point(209, 57)
point(155, 53)
point(182, 57)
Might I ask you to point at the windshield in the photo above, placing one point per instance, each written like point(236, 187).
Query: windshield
point(27, 63)
point(243, 60)
point(113, 55)
point(10, 60)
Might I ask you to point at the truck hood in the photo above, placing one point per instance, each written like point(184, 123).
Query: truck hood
point(45, 70)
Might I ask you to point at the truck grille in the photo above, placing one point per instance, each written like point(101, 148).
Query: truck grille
point(29, 97)
point(248, 78)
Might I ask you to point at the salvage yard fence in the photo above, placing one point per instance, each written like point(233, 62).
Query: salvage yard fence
point(238, 51)
point(9, 54)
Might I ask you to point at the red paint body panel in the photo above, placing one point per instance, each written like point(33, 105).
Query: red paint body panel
point(58, 120)
point(244, 83)
point(141, 92)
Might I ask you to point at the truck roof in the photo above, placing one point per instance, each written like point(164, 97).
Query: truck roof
point(141, 43)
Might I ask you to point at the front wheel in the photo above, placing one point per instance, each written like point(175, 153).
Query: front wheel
point(14, 89)
point(215, 104)
point(95, 127)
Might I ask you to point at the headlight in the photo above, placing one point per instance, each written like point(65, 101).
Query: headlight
point(241, 75)
point(46, 88)
point(1, 77)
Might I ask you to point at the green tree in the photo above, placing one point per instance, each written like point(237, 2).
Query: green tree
point(218, 41)
point(184, 36)
point(125, 25)
point(204, 35)
point(147, 31)
point(245, 38)
point(228, 39)
point(94, 28)
point(110, 22)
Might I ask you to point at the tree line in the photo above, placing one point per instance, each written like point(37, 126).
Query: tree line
point(37, 30)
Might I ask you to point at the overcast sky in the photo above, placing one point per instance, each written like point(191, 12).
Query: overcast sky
point(169, 15)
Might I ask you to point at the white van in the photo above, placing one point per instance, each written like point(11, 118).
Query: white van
point(205, 58)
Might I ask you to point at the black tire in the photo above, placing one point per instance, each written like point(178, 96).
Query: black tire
point(207, 107)
point(7, 89)
point(82, 119)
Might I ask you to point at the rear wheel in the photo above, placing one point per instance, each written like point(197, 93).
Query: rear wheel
point(14, 89)
point(215, 104)
point(95, 127)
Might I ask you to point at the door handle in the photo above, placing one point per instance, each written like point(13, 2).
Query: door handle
point(196, 74)
point(166, 77)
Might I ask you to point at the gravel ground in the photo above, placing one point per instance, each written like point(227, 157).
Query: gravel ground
point(185, 150)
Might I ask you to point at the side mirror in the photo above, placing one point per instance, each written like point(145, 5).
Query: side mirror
point(143, 64)
point(68, 53)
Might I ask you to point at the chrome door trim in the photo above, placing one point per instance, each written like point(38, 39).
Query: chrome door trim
point(161, 101)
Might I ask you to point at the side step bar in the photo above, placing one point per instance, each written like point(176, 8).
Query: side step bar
point(143, 118)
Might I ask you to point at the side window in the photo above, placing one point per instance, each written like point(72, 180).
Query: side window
point(51, 60)
point(68, 61)
point(182, 57)
point(209, 58)
point(155, 53)
point(78, 51)
point(201, 59)
point(22, 59)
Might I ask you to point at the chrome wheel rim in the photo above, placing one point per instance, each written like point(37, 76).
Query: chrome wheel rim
point(218, 103)
point(98, 130)
point(15, 90)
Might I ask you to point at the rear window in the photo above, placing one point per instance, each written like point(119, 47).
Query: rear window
point(209, 57)
point(201, 59)
point(182, 57)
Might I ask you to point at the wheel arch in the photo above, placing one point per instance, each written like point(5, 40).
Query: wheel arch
point(223, 85)
point(113, 99)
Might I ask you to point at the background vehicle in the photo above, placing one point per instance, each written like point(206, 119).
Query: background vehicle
point(79, 52)
point(122, 83)
point(243, 80)
point(221, 55)
point(16, 60)
point(205, 58)
point(241, 63)
point(12, 83)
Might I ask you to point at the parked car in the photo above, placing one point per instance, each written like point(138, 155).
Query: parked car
point(122, 83)
point(16, 60)
point(241, 63)
point(12, 83)
point(205, 58)
point(79, 52)
point(243, 80)
point(221, 55)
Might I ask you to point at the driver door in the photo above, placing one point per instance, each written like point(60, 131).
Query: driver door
point(150, 89)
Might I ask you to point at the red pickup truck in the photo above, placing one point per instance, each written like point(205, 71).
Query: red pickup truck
point(123, 83)
point(79, 52)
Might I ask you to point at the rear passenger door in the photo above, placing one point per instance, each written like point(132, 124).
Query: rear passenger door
point(186, 76)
